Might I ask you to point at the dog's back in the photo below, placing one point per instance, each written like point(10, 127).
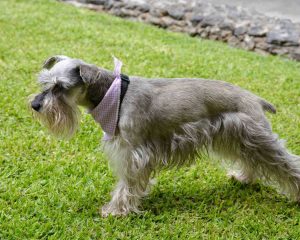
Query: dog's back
point(177, 101)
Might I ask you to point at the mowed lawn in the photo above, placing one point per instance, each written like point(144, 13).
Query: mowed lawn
point(53, 189)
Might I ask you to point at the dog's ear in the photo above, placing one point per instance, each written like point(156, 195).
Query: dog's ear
point(50, 62)
point(88, 73)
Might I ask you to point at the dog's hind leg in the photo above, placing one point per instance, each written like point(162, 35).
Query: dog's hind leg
point(133, 170)
point(260, 152)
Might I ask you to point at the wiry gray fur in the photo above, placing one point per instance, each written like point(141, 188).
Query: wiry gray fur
point(168, 122)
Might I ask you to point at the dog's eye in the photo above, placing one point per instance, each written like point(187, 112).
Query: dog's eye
point(58, 88)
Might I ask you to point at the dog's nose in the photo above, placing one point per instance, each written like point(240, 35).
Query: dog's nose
point(36, 106)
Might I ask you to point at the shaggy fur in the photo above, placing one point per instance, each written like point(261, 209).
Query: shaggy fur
point(166, 123)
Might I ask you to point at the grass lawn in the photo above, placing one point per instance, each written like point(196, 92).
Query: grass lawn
point(52, 189)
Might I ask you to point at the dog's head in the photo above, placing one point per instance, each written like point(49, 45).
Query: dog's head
point(65, 84)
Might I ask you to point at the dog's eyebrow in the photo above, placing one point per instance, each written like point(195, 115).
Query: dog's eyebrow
point(46, 79)
point(49, 81)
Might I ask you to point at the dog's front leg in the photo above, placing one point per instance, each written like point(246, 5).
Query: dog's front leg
point(132, 186)
point(125, 199)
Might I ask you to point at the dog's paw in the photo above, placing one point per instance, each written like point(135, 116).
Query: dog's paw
point(240, 177)
point(108, 209)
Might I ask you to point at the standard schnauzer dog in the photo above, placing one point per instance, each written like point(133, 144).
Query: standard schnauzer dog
point(152, 124)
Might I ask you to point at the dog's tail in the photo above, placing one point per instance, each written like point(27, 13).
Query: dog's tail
point(258, 151)
point(267, 106)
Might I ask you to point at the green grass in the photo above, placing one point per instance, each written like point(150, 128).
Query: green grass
point(52, 189)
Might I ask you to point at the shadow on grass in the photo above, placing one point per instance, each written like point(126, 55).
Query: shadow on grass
point(229, 196)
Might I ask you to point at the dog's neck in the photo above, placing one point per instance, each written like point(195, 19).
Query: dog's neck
point(97, 90)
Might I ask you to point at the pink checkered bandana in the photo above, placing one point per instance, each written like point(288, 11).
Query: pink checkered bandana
point(107, 111)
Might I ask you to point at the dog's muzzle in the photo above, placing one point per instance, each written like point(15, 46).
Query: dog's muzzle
point(37, 102)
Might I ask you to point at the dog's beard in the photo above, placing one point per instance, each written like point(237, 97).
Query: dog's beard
point(59, 116)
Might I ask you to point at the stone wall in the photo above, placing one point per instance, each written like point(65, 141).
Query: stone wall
point(238, 27)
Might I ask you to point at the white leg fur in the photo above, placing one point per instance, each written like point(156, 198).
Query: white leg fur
point(240, 176)
point(133, 172)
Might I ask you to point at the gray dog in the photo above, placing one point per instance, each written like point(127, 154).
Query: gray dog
point(164, 123)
